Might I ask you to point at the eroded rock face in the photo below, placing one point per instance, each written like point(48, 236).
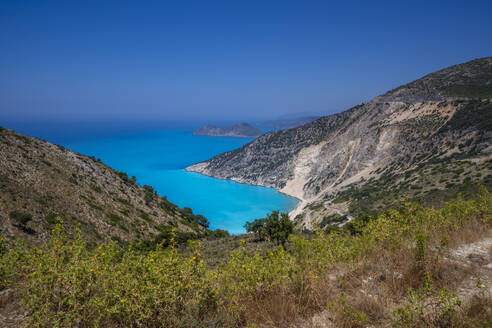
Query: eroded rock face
point(394, 132)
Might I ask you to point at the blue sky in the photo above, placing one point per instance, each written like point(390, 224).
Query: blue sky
point(230, 60)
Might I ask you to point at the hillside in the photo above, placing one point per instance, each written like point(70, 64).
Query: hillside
point(40, 181)
point(288, 123)
point(242, 130)
point(428, 139)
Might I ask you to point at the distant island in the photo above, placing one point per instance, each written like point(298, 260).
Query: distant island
point(242, 130)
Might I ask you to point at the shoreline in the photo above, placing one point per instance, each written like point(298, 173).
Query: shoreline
point(301, 203)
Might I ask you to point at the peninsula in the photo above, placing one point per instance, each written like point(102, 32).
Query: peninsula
point(242, 130)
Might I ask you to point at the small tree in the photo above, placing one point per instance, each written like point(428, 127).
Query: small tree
point(202, 221)
point(258, 227)
point(148, 194)
point(278, 227)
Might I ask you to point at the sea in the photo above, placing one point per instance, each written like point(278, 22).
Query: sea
point(158, 157)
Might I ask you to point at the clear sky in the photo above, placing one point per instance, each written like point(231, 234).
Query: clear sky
point(230, 60)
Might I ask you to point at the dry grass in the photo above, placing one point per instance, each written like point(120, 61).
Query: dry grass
point(367, 293)
point(401, 270)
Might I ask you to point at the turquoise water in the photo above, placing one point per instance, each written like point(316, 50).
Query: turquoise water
point(158, 158)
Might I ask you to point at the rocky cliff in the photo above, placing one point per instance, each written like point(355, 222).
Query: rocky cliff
point(444, 118)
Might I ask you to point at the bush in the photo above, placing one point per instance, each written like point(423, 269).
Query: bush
point(70, 283)
point(217, 234)
point(123, 176)
point(193, 219)
point(145, 217)
point(108, 286)
point(114, 218)
point(148, 197)
point(167, 205)
point(428, 308)
point(124, 201)
point(278, 228)
point(258, 227)
point(21, 218)
point(51, 218)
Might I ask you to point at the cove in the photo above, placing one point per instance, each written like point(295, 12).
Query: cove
point(157, 158)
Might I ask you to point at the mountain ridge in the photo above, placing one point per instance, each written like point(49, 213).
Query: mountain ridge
point(288, 123)
point(404, 128)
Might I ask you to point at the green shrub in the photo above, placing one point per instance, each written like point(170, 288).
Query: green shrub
point(217, 234)
point(421, 245)
point(194, 219)
point(258, 227)
point(71, 283)
point(167, 205)
point(276, 227)
point(428, 308)
point(123, 176)
point(124, 201)
point(146, 217)
point(125, 212)
point(51, 218)
point(21, 218)
point(110, 287)
point(114, 218)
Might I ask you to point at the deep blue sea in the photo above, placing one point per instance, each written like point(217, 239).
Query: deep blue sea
point(157, 158)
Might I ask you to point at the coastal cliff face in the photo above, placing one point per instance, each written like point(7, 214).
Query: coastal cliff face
point(444, 118)
point(40, 181)
point(242, 130)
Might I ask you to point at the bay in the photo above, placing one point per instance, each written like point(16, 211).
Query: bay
point(158, 158)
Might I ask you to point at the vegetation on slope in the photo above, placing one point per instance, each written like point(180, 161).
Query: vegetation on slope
point(391, 269)
point(432, 185)
point(40, 181)
point(468, 80)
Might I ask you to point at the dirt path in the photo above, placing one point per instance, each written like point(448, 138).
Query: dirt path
point(349, 217)
point(478, 256)
point(307, 221)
